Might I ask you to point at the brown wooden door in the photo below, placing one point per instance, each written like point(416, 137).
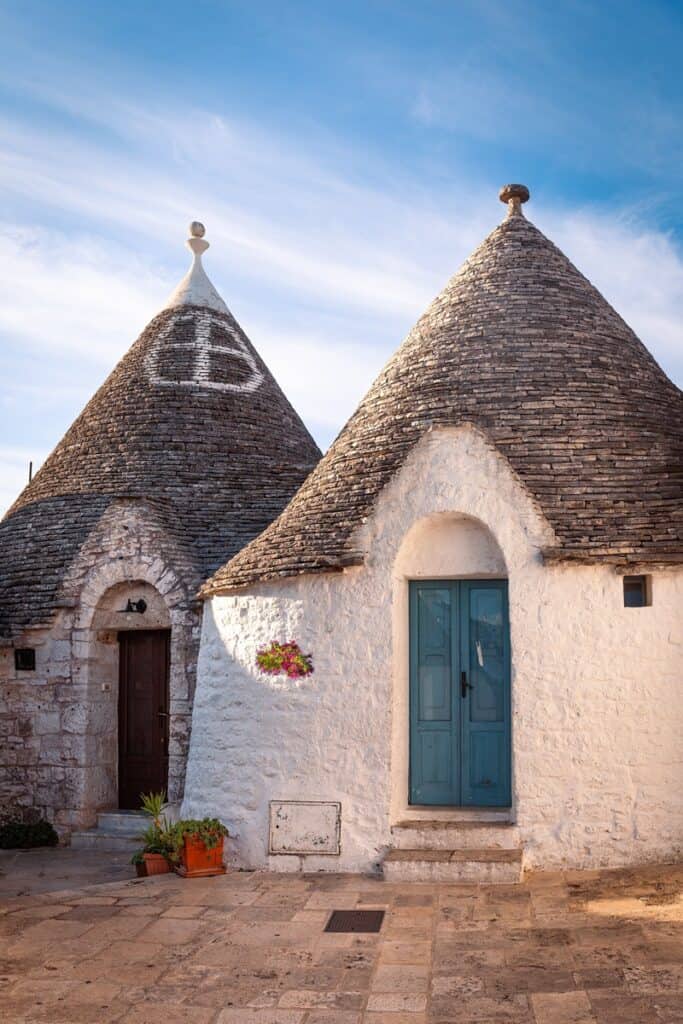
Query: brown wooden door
point(143, 714)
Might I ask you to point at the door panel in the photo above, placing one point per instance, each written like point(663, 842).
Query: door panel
point(432, 695)
point(459, 693)
point(485, 658)
point(143, 714)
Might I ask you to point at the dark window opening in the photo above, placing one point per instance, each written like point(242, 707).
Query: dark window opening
point(637, 591)
point(25, 659)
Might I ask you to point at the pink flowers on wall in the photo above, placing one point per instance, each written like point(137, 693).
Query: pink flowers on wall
point(284, 659)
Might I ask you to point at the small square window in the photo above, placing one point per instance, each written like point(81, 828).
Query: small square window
point(25, 659)
point(637, 591)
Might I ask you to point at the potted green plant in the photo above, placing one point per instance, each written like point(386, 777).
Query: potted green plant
point(198, 847)
point(157, 839)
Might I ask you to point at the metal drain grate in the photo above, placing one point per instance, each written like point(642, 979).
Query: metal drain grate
point(355, 921)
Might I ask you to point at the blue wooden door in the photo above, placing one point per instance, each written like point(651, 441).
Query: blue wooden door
point(459, 693)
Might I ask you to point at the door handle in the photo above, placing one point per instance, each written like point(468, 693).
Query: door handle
point(464, 685)
point(163, 714)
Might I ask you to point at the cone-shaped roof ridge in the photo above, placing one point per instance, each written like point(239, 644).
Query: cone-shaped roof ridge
point(521, 345)
point(190, 420)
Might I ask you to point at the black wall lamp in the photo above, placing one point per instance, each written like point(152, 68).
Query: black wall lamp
point(135, 606)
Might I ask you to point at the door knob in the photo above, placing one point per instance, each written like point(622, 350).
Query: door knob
point(464, 685)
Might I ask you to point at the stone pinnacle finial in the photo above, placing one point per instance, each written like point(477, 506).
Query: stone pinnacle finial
point(514, 196)
point(196, 242)
point(195, 289)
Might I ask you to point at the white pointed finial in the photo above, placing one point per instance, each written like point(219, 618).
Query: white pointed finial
point(195, 289)
point(195, 242)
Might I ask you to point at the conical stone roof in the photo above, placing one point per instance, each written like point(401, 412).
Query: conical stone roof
point(192, 423)
point(520, 344)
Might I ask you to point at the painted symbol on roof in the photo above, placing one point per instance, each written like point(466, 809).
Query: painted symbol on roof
point(212, 356)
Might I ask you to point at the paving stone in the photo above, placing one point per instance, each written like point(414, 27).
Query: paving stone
point(306, 999)
point(154, 1012)
point(514, 1010)
point(618, 1006)
point(185, 911)
point(261, 1017)
point(397, 1002)
point(394, 1018)
point(401, 978)
point(562, 1008)
point(333, 1017)
point(405, 952)
point(669, 1007)
point(172, 931)
point(253, 966)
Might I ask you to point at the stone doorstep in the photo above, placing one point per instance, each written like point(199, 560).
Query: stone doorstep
point(94, 839)
point(483, 856)
point(125, 823)
point(434, 815)
point(116, 830)
point(453, 835)
point(484, 864)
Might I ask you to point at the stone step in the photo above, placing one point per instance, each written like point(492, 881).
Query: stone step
point(124, 823)
point(440, 834)
point(500, 814)
point(485, 865)
point(95, 839)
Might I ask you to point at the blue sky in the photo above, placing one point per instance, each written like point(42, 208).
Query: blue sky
point(345, 158)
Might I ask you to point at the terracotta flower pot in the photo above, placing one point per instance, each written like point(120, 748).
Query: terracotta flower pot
point(156, 864)
point(197, 861)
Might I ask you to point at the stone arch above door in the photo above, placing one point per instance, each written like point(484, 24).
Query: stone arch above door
point(99, 618)
point(449, 545)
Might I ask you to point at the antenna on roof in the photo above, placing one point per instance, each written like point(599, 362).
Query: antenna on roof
point(30, 471)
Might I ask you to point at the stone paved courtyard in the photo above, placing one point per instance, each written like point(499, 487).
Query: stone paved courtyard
point(250, 947)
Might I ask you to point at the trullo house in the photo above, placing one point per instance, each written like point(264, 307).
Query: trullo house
point(188, 450)
point(486, 569)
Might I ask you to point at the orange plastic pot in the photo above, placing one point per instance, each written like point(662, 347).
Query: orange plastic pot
point(198, 862)
point(156, 864)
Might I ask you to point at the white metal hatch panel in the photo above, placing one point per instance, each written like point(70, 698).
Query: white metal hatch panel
point(305, 827)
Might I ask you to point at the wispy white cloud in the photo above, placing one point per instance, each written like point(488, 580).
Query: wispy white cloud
point(299, 228)
point(639, 271)
point(73, 293)
point(325, 270)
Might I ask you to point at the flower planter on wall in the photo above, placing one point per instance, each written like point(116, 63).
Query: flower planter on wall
point(197, 861)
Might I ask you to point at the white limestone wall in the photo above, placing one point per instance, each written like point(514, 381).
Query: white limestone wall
point(596, 687)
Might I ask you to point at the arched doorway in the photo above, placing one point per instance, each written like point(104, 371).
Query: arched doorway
point(452, 667)
point(130, 701)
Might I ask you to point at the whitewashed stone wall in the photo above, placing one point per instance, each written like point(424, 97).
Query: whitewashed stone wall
point(597, 708)
point(59, 724)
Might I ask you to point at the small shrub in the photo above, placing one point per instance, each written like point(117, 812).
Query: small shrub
point(157, 837)
point(21, 835)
